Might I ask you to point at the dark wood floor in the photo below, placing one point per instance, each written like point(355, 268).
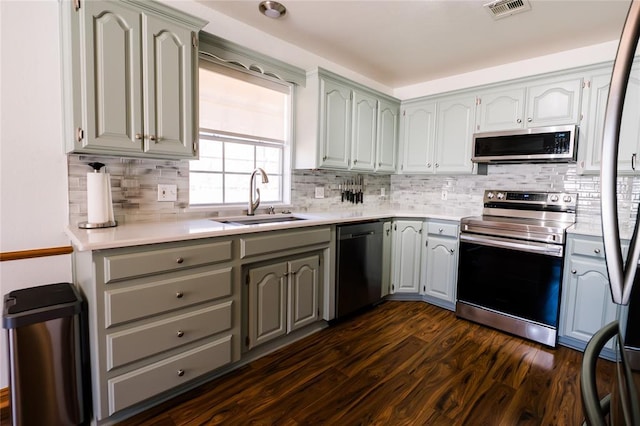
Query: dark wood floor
point(402, 363)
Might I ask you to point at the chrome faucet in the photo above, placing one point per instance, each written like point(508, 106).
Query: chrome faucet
point(253, 205)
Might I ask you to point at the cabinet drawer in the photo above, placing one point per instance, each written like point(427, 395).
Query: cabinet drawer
point(146, 382)
point(136, 302)
point(273, 243)
point(127, 265)
point(588, 248)
point(150, 339)
point(440, 228)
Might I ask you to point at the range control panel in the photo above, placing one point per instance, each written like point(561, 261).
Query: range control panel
point(533, 200)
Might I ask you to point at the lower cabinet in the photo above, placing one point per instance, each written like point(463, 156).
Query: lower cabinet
point(159, 317)
point(586, 298)
point(283, 297)
point(440, 273)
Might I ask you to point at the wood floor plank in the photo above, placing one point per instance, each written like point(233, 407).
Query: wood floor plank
point(401, 363)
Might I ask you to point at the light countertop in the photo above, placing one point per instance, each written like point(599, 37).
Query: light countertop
point(595, 229)
point(141, 233)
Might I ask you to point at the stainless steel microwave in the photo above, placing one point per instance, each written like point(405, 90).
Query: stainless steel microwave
point(541, 144)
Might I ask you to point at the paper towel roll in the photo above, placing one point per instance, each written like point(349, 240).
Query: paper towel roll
point(98, 196)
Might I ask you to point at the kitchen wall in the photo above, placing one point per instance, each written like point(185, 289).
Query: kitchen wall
point(33, 166)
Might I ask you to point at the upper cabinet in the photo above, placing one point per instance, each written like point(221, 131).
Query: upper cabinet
point(547, 102)
point(342, 125)
point(437, 135)
point(387, 136)
point(591, 134)
point(130, 79)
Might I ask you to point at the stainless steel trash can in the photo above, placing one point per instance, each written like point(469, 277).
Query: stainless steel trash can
point(45, 370)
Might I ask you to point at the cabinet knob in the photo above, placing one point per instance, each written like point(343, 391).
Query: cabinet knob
point(519, 120)
point(429, 165)
point(179, 295)
point(573, 271)
point(379, 164)
point(138, 136)
point(529, 119)
point(324, 158)
point(180, 373)
point(355, 161)
point(596, 251)
point(179, 260)
point(180, 333)
point(152, 138)
point(437, 165)
point(441, 230)
point(452, 251)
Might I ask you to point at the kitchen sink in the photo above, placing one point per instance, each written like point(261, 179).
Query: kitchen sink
point(257, 220)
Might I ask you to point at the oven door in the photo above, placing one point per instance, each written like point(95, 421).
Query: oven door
point(513, 277)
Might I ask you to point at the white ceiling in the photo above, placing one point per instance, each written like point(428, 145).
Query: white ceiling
point(399, 43)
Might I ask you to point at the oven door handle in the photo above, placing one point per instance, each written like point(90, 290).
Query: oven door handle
point(531, 247)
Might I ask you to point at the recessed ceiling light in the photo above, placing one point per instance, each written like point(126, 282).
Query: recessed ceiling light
point(272, 9)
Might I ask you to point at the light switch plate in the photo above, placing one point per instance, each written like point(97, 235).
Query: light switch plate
point(444, 195)
point(167, 192)
point(319, 191)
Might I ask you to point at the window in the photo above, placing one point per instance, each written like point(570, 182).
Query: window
point(245, 123)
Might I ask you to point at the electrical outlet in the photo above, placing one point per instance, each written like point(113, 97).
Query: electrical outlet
point(444, 195)
point(382, 192)
point(167, 192)
point(319, 191)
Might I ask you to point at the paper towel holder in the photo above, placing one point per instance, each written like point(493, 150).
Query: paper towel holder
point(108, 224)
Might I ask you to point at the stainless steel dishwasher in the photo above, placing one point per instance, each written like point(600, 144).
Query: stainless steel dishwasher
point(358, 266)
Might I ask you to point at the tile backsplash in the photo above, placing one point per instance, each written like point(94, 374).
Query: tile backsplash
point(134, 189)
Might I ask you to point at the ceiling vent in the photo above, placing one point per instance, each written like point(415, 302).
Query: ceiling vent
point(502, 8)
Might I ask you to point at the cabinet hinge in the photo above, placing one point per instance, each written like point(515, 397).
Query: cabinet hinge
point(404, 113)
point(79, 134)
point(395, 226)
point(76, 5)
point(478, 101)
point(426, 244)
point(586, 84)
point(194, 39)
point(247, 280)
point(247, 341)
point(195, 146)
point(393, 287)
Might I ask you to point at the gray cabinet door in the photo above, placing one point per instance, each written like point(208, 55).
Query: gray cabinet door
point(418, 138)
point(554, 103)
point(629, 148)
point(442, 264)
point(454, 141)
point(267, 303)
point(501, 110)
point(407, 242)
point(335, 125)
point(112, 107)
point(586, 299)
point(303, 292)
point(168, 88)
point(387, 140)
point(363, 140)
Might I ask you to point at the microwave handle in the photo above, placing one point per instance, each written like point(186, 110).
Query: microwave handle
point(620, 278)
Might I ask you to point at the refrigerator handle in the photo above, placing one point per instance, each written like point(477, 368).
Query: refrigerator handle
point(620, 279)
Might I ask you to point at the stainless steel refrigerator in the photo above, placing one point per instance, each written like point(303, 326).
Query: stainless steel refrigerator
point(622, 405)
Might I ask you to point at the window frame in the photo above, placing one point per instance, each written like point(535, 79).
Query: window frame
point(236, 70)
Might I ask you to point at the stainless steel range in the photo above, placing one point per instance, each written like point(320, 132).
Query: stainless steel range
point(511, 260)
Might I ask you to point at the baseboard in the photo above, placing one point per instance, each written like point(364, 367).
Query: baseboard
point(4, 403)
